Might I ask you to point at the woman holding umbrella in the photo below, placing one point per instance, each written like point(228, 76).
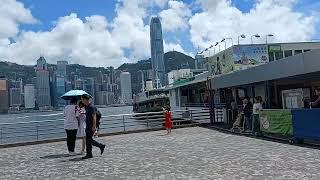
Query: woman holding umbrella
point(71, 124)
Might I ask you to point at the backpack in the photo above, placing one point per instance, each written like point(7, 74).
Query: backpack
point(98, 116)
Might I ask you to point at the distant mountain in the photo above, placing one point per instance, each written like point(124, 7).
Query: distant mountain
point(173, 60)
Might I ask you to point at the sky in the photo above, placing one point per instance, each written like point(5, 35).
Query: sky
point(111, 32)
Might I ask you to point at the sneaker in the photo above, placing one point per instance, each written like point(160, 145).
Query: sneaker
point(102, 149)
point(86, 157)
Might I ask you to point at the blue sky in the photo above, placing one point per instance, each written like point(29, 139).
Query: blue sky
point(187, 25)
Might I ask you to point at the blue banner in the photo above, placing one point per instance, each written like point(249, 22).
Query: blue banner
point(306, 123)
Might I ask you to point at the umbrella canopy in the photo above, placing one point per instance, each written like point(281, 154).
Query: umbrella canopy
point(74, 94)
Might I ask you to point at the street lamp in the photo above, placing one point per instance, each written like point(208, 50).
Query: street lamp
point(241, 36)
point(217, 43)
point(256, 35)
point(269, 35)
point(225, 43)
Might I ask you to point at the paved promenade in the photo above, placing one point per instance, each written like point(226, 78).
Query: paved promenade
point(189, 153)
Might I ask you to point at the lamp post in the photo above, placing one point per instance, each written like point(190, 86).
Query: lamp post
point(225, 43)
point(217, 43)
point(256, 36)
point(269, 35)
point(224, 40)
point(241, 36)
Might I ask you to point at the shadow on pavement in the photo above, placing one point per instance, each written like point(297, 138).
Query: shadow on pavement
point(76, 159)
point(55, 156)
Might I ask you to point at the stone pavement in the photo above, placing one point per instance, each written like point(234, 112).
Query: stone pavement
point(189, 153)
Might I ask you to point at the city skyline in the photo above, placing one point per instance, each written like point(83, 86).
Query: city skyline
point(99, 34)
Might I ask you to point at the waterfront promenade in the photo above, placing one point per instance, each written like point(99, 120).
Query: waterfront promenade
point(189, 153)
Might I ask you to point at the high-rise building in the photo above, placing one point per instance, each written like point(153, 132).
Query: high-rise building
point(62, 68)
point(88, 86)
point(157, 60)
point(125, 86)
point(60, 90)
point(29, 96)
point(43, 86)
point(4, 95)
point(60, 82)
point(15, 97)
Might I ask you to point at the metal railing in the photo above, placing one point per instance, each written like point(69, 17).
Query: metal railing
point(54, 129)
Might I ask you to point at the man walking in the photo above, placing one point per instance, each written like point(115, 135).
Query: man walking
point(91, 121)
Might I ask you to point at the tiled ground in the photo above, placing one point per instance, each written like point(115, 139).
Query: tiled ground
point(189, 153)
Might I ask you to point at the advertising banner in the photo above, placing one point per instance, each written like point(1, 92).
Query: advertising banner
point(246, 56)
point(221, 63)
point(276, 122)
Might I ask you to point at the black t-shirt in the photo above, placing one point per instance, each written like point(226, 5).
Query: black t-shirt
point(90, 111)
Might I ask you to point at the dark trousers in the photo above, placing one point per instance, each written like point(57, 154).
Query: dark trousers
point(255, 123)
point(91, 142)
point(248, 122)
point(71, 139)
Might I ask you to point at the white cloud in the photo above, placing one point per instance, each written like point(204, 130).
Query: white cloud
point(221, 19)
point(85, 42)
point(176, 17)
point(175, 47)
point(13, 13)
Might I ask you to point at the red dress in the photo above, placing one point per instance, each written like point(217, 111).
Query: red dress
point(168, 122)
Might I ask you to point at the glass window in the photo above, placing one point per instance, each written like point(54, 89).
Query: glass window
point(297, 52)
point(271, 57)
point(279, 55)
point(288, 53)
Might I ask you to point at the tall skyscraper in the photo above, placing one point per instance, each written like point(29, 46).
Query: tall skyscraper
point(43, 87)
point(15, 97)
point(29, 96)
point(4, 95)
point(157, 61)
point(62, 68)
point(125, 86)
point(61, 77)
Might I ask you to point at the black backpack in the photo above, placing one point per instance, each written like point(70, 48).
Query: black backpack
point(98, 116)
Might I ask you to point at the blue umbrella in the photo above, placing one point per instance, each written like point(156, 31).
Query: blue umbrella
point(74, 94)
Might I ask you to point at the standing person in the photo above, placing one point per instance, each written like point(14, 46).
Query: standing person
point(82, 125)
point(91, 127)
point(71, 125)
point(247, 112)
point(168, 122)
point(257, 107)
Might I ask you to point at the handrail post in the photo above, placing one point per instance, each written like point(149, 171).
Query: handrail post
point(37, 129)
point(124, 124)
point(147, 121)
point(1, 135)
point(191, 117)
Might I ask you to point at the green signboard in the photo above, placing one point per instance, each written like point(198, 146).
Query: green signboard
point(276, 122)
point(274, 48)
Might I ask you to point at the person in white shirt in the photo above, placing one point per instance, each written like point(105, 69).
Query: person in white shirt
point(71, 125)
point(257, 107)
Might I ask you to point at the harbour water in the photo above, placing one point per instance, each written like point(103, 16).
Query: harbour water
point(48, 125)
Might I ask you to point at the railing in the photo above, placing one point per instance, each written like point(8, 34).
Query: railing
point(53, 129)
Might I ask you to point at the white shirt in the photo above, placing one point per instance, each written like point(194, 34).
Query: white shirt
point(256, 108)
point(70, 114)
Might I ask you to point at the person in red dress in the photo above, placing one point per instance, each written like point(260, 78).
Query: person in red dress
point(168, 122)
